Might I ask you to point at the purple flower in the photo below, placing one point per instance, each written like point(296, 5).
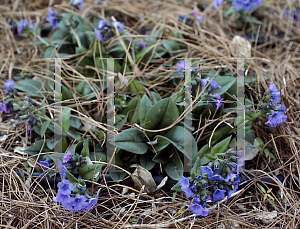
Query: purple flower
point(218, 97)
point(184, 182)
point(218, 195)
point(52, 18)
point(275, 118)
point(119, 25)
point(77, 3)
point(199, 210)
point(9, 86)
point(67, 156)
point(240, 161)
point(216, 3)
point(230, 176)
point(198, 177)
point(45, 164)
point(60, 198)
point(235, 184)
point(275, 94)
point(206, 170)
point(181, 16)
point(196, 200)
point(219, 103)
point(290, 14)
point(195, 11)
point(30, 128)
point(79, 202)
point(214, 84)
point(216, 177)
point(204, 82)
point(92, 202)
point(199, 18)
point(101, 23)
point(180, 66)
point(245, 5)
point(143, 44)
point(21, 24)
point(193, 188)
point(99, 34)
point(229, 193)
point(4, 108)
point(68, 203)
point(61, 168)
point(65, 187)
point(188, 192)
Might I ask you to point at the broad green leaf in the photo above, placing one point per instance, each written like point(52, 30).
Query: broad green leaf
point(36, 147)
point(120, 121)
point(66, 93)
point(65, 117)
point(162, 143)
point(196, 170)
point(171, 46)
point(144, 107)
point(89, 171)
point(71, 178)
point(176, 136)
point(221, 146)
point(49, 52)
point(132, 110)
point(204, 150)
point(225, 82)
point(80, 49)
point(131, 140)
point(174, 168)
point(44, 127)
point(75, 122)
point(161, 115)
point(145, 53)
point(156, 97)
point(162, 157)
point(85, 150)
point(219, 134)
point(134, 86)
point(261, 143)
point(147, 162)
point(117, 176)
point(250, 136)
point(176, 187)
point(32, 87)
point(230, 11)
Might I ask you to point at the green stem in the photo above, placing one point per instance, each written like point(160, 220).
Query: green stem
point(76, 37)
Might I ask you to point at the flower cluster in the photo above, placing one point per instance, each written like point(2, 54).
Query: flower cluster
point(209, 96)
point(217, 180)
point(24, 26)
point(245, 5)
point(276, 113)
point(72, 199)
point(106, 29)
point(52, 17)
point(77, 3)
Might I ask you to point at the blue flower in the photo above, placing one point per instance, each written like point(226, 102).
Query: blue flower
point(52, 18)
point(206, 170)
point(23, 24)
point(193, 188)
point(60, 198)
point(67, 156)
point(230, 176)
point(195, 11)
point(275, 118)
point(204, 82)
point(79, 202)
point(4, 108)
point(9, 86)
point(119, 25)
point(216, 3)
point(214, 84)
point(199, 18)
point(275, 94)
point(218, 195)
point(216, 177)
point(77, 3)
point(99, 34)
point(245, 5)
point(198, 177)
point(65, 187)
point(235, 184)
point(293, 15)
point(61, 168)
point(230, 192)
point(196, 200)
point(101, 23)
point(181, 16)
point(92, 202)
point(143, 44)
point(219, 103)
point(180, 66)
point(184, 182)
point(199, 210)
point(45, 164)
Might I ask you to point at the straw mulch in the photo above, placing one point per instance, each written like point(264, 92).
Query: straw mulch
point(25, 204)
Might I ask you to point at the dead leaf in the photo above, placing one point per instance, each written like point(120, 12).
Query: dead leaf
point(267, 217)
point(250, 150)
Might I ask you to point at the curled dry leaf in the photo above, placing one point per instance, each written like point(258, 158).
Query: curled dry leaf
point(142, 176)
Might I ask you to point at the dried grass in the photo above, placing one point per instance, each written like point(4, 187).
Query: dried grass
point(25, 204)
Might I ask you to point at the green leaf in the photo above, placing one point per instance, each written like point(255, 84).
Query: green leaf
point(80, 49)
point(174, 168)
point(171, 46)
point(176, 136)
point(161, 115)
point(135, 87)
point(89, 171)
point(261, 188)
point(85, 150)
point(66, 93)
point(144, 107)
point(36, 147)
point(250, 136)
point(131, 140)
point(260, 141)
point(176, 187)
point(225, 82)
point(221, 146)
point(44, 127)
point(205, 149)
point(147, 162)
point(49, 52)
point(230, 11)
point(196, 170)
point(65, 117)
point(75, 122)
point(162, 157)
point(267, 152)
point(162, 143)
point(117, 176)
point(156, 97)
point(259, 148)
point(219, 134)
point(71, 177)
point(32, 87)
point(132, 109)
point(145, 53)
